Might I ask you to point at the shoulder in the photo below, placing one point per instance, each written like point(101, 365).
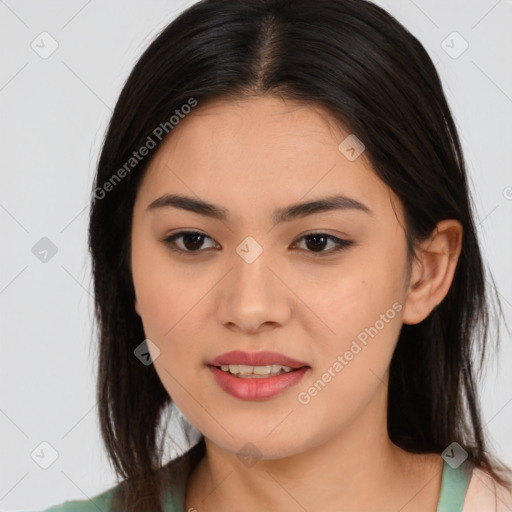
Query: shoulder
point(99, 503)
point(175, 473)
point(484, 494)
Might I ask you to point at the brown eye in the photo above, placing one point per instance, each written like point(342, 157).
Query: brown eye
point(192, 241)
point(317, 242)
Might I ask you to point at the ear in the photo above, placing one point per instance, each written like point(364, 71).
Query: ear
point(432, 271)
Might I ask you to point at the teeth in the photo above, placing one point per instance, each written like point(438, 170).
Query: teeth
point(245, 371)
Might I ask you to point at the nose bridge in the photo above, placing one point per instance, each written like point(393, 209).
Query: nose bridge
point(252, 294)
point(251, 276)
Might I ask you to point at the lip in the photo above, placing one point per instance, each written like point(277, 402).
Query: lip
point(259, 388)
point(256, 388)
point(256, 359)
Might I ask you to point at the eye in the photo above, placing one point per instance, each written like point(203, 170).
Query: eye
point(193, 241)
point(318, 241)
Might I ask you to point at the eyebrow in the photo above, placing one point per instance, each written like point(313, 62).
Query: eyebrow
point(287, 214)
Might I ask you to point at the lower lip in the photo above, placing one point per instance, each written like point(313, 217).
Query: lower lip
point(256, 388)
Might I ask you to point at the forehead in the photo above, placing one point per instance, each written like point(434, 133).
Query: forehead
point(267, 124)
point(243, 151)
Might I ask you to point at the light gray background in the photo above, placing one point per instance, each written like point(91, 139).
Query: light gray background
point(54, 112)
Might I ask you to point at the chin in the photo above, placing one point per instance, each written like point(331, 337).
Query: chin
point(251, 449)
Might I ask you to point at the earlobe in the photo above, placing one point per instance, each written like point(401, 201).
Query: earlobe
point(433, 270)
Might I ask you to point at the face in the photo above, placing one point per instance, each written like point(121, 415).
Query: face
point(324, 287)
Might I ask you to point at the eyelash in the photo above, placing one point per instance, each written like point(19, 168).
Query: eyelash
point(341, 244)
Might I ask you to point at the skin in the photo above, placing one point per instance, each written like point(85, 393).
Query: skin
point(252, 156)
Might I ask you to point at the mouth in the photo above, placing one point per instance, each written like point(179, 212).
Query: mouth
point(243, 371)
point(256, 375)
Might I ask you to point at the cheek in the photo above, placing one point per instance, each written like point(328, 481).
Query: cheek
point(167, 302)
point(159, 289)
point(357, 301)
point(352, 363)
point(363, 310)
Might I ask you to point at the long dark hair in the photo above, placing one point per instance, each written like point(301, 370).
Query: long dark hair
point(359, 62)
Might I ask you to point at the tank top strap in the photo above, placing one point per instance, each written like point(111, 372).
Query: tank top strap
point(454, 485)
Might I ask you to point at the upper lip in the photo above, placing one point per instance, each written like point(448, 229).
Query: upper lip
point(255, 359)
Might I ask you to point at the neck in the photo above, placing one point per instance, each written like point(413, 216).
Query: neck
point(360, 468)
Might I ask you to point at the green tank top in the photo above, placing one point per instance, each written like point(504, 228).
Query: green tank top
point(454, 484)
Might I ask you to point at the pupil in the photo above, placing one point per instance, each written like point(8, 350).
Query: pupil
point(195, 245)
point(316, 244)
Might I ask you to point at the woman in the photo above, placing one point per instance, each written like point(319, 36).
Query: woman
point(284, 248)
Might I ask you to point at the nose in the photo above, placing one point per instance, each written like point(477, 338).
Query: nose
point(253, 296)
